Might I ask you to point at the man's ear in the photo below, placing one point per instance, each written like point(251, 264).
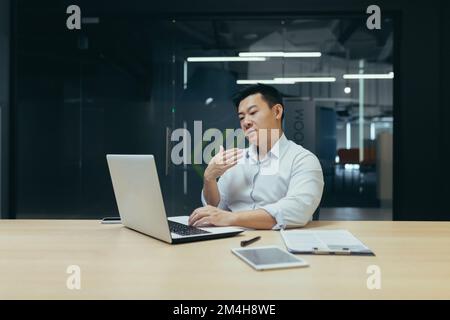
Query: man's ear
point(278, 111)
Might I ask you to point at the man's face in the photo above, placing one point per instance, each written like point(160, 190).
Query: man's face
point(255, 114)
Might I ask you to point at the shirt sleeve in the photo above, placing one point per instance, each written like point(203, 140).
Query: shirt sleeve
point(303, 195)
point(222, 185)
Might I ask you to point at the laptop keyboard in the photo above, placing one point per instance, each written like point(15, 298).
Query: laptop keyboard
point(184, 230)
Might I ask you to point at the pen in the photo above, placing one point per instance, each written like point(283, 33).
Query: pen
point(247, 242)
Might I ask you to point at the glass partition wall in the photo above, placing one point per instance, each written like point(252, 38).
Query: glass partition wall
point(126, 87)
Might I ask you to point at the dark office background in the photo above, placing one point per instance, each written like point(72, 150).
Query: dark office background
point(68, 98)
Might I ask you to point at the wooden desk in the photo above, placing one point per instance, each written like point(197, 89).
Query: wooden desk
point(118, 263)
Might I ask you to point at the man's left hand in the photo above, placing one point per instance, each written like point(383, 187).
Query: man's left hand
point(211, 216)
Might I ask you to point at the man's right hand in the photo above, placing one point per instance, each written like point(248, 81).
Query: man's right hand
point(221, 162)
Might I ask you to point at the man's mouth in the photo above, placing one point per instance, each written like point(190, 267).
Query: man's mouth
point(250, 131)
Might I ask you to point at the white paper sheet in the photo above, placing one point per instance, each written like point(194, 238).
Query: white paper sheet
point(322, 240)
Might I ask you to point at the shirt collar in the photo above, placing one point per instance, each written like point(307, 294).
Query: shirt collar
point(274, 151)
point(276, 148)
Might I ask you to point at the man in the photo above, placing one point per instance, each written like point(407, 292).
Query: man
point(273, 184)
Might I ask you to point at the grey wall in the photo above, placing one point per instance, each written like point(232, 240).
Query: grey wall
point(4, 103)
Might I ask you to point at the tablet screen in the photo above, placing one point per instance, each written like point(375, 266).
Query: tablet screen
point(267, 256)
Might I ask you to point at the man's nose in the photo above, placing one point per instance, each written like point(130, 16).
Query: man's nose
point(247, 123)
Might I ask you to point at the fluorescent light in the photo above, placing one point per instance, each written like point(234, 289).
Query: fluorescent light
point(347, 90)
point(302, 54)
point(281, 54)
point(389, 75)
point(308, 79)
point(185, 74)
point(348, 135)
point(264, 82)
point(224, 59)
point(288, 80)
point(261, 54)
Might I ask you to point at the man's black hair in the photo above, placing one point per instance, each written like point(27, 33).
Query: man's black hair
point(271, 95)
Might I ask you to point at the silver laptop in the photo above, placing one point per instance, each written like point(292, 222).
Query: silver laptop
point(141, 206)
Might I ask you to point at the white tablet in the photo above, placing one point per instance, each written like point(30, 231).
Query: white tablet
point(269, 257)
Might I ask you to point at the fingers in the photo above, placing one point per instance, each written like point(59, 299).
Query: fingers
point(229, 165)
point(197, 216)
point(194, 214)
point(230, 156)
point(202, 222)
point(192, 219)
point(230, 151)
point(234, 154)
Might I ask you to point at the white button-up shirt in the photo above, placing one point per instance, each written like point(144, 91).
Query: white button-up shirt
point(287, 183)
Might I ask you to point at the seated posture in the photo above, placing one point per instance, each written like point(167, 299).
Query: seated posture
point(273, 184)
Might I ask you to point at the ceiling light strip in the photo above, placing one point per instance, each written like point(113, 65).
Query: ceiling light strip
point(266, 81)
point(224, 59)
point(281, 54)
point(358, 76)
point(308, 79)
